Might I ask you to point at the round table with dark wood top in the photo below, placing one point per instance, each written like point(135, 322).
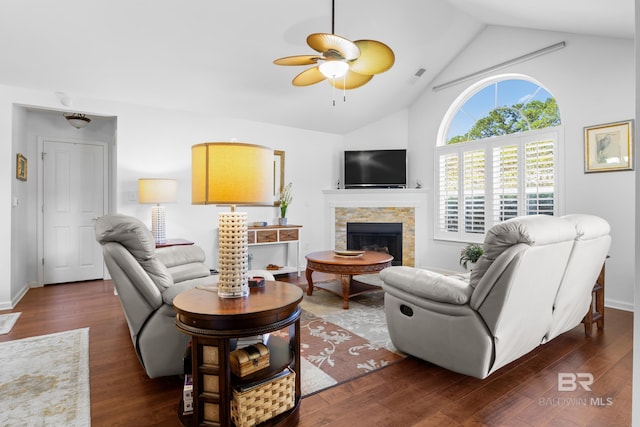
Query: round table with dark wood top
point(214, 322)
point(368, 262)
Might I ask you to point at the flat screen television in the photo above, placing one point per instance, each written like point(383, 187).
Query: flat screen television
point(375, 168)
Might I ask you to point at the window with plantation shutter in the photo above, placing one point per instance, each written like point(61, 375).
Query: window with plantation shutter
point(485, 182)
point(497, 157)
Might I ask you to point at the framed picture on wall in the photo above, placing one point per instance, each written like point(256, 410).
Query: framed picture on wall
point(21, 167)
point(608, 147)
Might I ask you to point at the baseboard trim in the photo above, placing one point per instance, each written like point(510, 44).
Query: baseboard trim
point(619, 305)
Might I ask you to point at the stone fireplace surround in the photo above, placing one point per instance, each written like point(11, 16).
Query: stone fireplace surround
point(379, 205)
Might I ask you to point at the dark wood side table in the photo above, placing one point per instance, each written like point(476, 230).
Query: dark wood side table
point(213, 323)
point(174, 242)
point(596, 309)
point(346, 266)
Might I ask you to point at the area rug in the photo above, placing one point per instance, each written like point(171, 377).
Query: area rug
point(44, 380)
point(338, 345)
point(7, 321)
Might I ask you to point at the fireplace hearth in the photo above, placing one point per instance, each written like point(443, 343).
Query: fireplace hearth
point(376, 236)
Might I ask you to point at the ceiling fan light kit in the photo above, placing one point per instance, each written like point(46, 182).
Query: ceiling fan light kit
point(333, 69)
point(346, 64)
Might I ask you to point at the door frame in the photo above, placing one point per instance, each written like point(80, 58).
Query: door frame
point(40, 214)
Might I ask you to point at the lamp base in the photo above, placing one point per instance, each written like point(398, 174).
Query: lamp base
point(158, 224)
point(233, 255)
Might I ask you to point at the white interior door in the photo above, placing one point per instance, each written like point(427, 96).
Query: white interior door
point(73, 198)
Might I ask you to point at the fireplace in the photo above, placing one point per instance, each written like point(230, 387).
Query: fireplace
point(376, 236)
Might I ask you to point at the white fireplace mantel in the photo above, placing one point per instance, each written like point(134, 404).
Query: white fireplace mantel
point(415, 198)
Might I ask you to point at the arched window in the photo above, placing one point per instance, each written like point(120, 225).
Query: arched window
point(496, 157)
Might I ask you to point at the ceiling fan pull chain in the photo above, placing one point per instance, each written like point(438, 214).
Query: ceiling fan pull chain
point(344, 88)
point(334, 90)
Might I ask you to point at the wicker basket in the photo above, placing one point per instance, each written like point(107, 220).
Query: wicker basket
point(264, 401)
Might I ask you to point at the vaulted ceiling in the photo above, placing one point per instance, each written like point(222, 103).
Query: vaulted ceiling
point(214, 56)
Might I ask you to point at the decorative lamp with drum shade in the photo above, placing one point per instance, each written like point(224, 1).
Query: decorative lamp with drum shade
point(156, 191)
point(231, 173)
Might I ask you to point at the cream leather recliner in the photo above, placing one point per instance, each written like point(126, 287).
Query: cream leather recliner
point(532, 283)
point(146, 280)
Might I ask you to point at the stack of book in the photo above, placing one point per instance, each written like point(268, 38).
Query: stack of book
point(187, 395)
point(187, 389)
point(254, 339)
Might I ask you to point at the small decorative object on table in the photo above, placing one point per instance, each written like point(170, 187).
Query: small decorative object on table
point(285, 201)
point(256, 282)
point(470, 254)
point(249, 359)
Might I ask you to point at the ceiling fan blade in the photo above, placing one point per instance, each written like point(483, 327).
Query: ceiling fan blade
point(375, 57)
point(323, 43)
point(353, 80)
point(298, 60)
point(308, 77)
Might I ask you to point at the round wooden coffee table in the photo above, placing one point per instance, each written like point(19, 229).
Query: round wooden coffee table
point(346, 266)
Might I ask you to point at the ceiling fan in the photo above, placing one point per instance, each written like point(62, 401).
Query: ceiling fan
point(346, 64)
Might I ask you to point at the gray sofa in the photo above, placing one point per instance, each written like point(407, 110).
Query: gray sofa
point(533, 283)
point(146, 280)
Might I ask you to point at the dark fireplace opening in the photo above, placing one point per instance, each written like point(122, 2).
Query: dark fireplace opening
point(376, 236)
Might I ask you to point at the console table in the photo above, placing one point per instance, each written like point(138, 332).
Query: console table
point(213, 323)
point(277, 235)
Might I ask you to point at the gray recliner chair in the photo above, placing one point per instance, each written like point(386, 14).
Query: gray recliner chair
point(146, 280)
point(533, 282)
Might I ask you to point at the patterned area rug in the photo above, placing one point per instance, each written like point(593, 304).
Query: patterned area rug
point(338, 345)
point(44, 380)
point(7, 321)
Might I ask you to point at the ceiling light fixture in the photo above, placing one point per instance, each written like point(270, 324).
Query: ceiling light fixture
point(77, 120)
point(346, 64)
point(333, 69)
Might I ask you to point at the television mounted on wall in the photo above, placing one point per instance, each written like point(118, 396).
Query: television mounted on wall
point(375, 168)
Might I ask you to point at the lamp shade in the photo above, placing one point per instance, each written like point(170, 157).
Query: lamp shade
point(230, 173)
point(157, 190)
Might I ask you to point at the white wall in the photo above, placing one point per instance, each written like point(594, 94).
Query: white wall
point(592, 80)
point(390, 132)
point(635, 410)
point(157, 142)
point(19, 211)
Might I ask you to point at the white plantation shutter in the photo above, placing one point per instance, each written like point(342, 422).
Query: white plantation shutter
point(474, 191)
point(505, 183)
point(539, 177)
point(448, 193)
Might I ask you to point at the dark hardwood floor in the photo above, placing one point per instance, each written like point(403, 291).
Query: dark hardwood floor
point(409, 393)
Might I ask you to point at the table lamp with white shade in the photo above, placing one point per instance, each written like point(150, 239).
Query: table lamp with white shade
point(231, 173)
point(156, 191)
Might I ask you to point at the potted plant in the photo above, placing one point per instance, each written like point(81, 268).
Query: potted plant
point(470, 254)
point(285, 201)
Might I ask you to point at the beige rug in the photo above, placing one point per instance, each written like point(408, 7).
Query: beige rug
point(7, 321)
point(44, 380)
point(339, 345)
